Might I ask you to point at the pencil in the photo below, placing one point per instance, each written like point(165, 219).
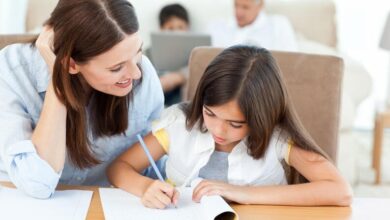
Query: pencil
point(150, 158)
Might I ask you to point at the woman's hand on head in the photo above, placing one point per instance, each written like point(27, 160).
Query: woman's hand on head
point(44, 44)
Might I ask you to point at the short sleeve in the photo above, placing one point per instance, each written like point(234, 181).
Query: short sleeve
point(162, 138)
point(153, 90)
point(283, 145)
point(287, 151)
point(148, 99)
point(172, 120)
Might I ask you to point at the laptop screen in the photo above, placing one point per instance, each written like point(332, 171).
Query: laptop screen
point(170, 51)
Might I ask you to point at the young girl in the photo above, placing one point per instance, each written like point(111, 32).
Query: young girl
point(241, 135)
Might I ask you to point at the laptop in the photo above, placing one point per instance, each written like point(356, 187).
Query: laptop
point(171, 51)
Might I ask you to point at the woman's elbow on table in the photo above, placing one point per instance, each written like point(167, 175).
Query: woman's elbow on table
point(39, 191)
point(33, 187)
point(33, 176)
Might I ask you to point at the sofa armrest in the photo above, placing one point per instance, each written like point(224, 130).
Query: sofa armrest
point(8, 39)
point(355, 72)
point(357, 82)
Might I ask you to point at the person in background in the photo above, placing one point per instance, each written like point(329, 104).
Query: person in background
point(173, 17)
point(253, 26)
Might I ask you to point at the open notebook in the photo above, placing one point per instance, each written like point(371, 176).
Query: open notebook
point(118, 204)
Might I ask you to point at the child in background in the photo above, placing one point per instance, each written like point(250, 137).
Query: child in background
point(240, 134)
point(173, 17)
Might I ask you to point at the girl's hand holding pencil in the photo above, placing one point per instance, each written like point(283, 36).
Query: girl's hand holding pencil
point(159, 194)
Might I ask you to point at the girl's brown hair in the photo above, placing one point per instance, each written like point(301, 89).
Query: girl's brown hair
point(251, 76)
point(84, 29)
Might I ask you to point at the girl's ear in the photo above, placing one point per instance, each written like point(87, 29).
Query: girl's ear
point(73, 67)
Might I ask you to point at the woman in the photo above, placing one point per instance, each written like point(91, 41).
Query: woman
point(66, 119)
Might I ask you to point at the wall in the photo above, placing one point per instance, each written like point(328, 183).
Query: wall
point(360, 25)
point(12, 16)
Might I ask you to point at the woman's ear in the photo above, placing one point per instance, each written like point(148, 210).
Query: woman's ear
point(73, 67)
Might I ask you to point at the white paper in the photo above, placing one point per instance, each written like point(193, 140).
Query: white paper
point(118, 204)
point(67, 204)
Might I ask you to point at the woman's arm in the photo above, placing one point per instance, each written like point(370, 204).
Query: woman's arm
point(125, 171)
point(326, 186)
point(20, 156)
point(49, 136)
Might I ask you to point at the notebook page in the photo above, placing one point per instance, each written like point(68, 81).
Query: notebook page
point(67, 204)
point(118, 204)
point(214, 206)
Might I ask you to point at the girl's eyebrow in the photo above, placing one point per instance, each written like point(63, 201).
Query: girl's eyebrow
point(235, 121)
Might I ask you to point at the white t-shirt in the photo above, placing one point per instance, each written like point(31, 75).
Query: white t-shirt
point(189, 151)
point(273, 32)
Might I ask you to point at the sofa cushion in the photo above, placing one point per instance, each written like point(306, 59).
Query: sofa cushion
point(12, 39)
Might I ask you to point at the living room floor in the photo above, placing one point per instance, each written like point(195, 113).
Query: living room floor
point(354, 162)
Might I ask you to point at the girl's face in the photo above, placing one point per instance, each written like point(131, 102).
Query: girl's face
point(113, 72)
point(226, 123)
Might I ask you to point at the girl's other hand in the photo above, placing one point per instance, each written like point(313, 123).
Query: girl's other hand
point(210, 188)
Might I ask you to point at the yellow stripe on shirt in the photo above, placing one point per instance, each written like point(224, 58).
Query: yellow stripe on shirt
point(162, 138)
point(287, 155)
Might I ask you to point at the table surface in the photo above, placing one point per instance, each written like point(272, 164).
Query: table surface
point(362, 208)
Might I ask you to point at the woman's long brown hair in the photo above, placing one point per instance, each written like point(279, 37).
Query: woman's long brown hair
point(84, 29)
point(251, 76)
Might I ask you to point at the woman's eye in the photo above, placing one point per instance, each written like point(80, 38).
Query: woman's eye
point(116, 69)
point(235, 125)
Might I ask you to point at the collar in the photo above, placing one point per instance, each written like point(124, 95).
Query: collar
point(205, 142)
